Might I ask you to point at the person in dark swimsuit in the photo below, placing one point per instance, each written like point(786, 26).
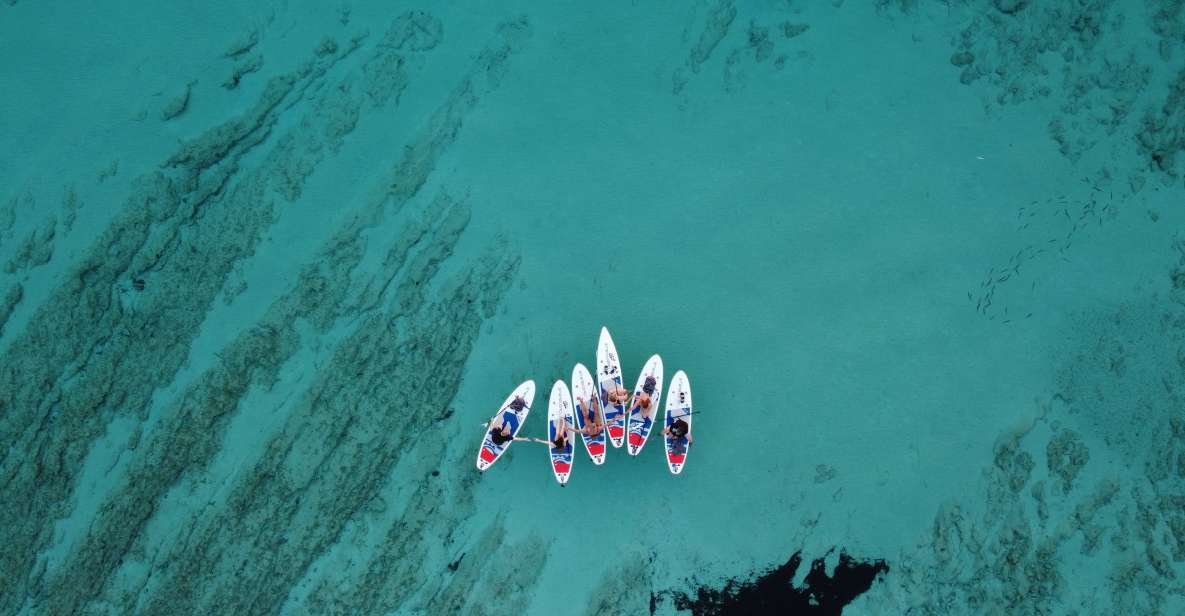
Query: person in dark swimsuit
point(680, 432)
point(680, 435)
point(505, 426)
point(678, 429)
point(501, 436)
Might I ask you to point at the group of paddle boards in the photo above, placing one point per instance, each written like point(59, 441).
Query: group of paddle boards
point(632, 431)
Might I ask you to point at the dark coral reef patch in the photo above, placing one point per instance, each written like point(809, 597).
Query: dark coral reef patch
point(774, 592)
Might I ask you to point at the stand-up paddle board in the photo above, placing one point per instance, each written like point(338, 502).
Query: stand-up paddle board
point(639, 424)
point(678, 407)
point(609, 378)
point(559, 407)
point(584, 389)
point(522, 398)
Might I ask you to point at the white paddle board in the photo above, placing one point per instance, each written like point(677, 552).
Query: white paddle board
point(489, 452)
point(584, 389)
point(560, 406)
point(640, 423)
point(678, 407)
point(609, 377)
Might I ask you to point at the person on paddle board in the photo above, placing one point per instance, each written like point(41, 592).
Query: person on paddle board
point(505, 425)
point(501, 435)
point(617, 395)
point(561, 435)
point(678, 430)
point(642, 400)
point(592, 410)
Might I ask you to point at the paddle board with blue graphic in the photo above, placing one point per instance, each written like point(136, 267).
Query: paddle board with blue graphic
point(678, 407)
point(560, 407)
point(490, 452)
point(584, 396)
point(640, 422)
point(609, 378)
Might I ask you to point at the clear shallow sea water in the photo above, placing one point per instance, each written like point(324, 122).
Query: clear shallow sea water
point(267, 268)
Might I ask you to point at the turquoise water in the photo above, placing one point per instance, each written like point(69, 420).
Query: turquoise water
point(267, 268)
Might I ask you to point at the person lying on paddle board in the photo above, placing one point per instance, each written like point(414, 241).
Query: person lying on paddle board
point(500, 435)
point(642, 400)
point(561, 435)
point(505, 424)
point(592, 411)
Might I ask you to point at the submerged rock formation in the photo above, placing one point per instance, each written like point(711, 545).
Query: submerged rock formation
point(773, 591)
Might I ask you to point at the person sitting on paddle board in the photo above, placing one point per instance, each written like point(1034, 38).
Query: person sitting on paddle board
point(678, 430)
point(616, 395)
point(591, 426)
point(642, 400)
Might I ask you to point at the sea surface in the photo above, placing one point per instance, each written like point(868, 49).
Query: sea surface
point(266, 268)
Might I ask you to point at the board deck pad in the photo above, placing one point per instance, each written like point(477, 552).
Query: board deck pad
point(609, 377)
point(678, 407)
point(583, 388)
point(489, 452)
point(639, 425)
point(560, 406)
